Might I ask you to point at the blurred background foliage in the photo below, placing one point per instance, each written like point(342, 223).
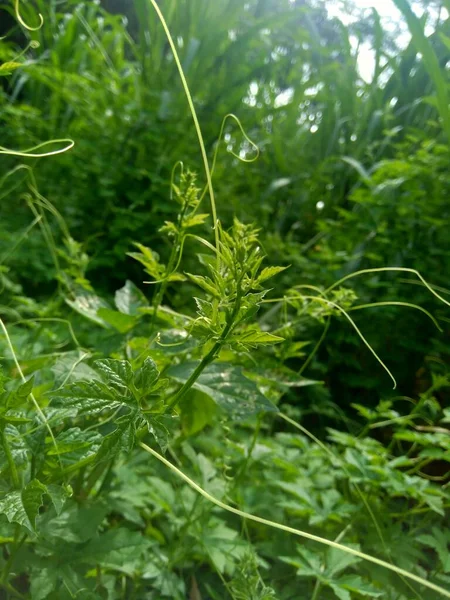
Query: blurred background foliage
point(349, 110)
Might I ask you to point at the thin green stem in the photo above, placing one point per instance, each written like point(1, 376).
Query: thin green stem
point(383, 269)
point(33, 399)
point(316, 347)
point(209, 357)
point(206, 360)
point(9, 563)
point(9, 458)
point(297, 532)
point(194, 118)
point(357, 488)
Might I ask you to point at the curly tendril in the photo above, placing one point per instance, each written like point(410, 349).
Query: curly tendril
point(31, 152)
point(22, 22)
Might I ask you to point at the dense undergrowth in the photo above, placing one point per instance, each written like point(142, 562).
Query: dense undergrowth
point(232, 431)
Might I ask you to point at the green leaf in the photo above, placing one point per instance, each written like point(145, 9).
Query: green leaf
point(116, 373)
point(255, 337)
point(72, 440)
point(150, 260)
point(340, 592)
point(221, 544)
point(439, 540)
point(337, 561)
point(146, 377)
point(130, 299)
point(43, 582)
point(365, 176)
point(355, 583)
point(68, 368)
point(120, 440)
point(14, 417)
point(197, 411)
point(309, 564)
point(87, 397)
point(197, 219)
point(117, 548)
point(116, 319)
point(75, 524)
point(161, 426)
point(58, 495)
point(281, 377)
point(269, 272)
point(22, 506)
point(430, 60)
point(88, 305)
point(7, 68)
point(227, 386)
point(205, 283)
point(24, 390)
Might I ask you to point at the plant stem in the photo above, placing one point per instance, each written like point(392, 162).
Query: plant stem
point(9, 563)
point(7, 586)
point(208, 358)
point(316, 589)
point(162, 288)
point(94, 476)
point(10, 459)
point(170, 265)
point(244, 466)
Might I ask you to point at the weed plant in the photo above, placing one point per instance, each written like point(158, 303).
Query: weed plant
point(150, 453)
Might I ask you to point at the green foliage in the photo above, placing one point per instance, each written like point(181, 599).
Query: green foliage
point(204, 371)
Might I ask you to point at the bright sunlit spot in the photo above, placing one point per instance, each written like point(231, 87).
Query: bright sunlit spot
point(390, 17)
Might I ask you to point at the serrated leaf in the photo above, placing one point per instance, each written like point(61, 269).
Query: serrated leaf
point(72, 440)
point(146, 377)
point(439, 541)
point(149, 259)
point(14, 416)
point(205, 283)
point(7, 68)
point(255, 337)
point(87, 397)
point(116, 319)
point(161, 426)
point(22, 506)
point(304, 569)
point(340, 592)
point(221, 543)
point(116, 373)
point(129, 299)
point(269, 272)
point(76, 523)
point(197, 219)
point(227, 386)
point(117, 548)
point(355, 583)
point(337, 561)
point(120, 440)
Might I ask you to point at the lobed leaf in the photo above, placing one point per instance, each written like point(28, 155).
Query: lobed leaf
point(22, 506)
point(228, 387)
